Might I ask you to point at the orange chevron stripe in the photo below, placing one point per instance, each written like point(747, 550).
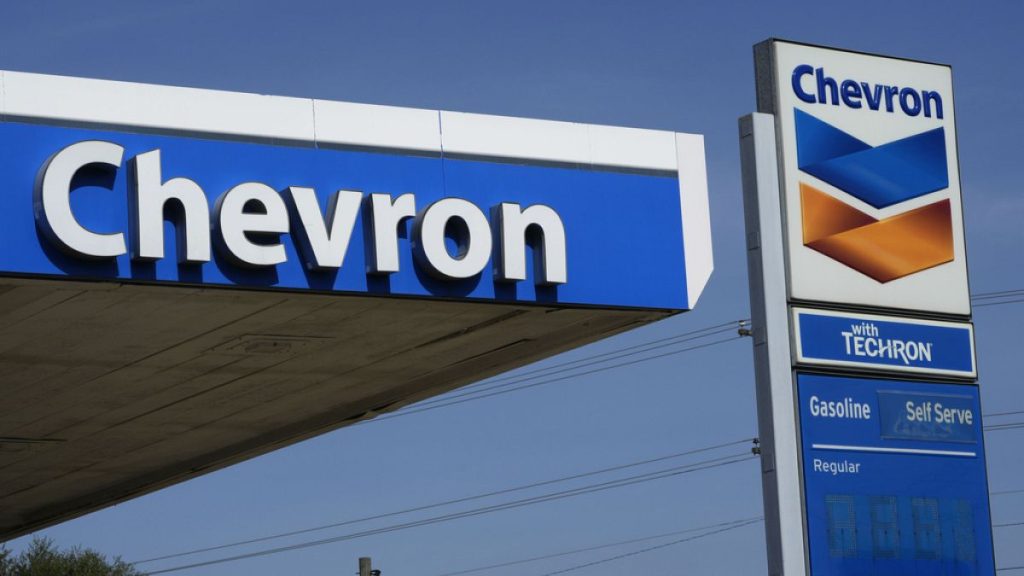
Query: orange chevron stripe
point(882, 249)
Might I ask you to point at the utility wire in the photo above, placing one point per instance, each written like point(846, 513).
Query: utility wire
point(650, 344)
point(997, 298)
point(740, 323)
point(1003, 425)
point(599, 547)
point(999, 414)
point(1006, 426)
point(651, 548)
point(997, 294)
point(448, 502)
point(1007, 525)
point(503, 381)
point(550, 371)
point(481, 396)
point(599, 487)
point(994, 301)
point(986, 304)
point(1010, 568)
point(1005, 492)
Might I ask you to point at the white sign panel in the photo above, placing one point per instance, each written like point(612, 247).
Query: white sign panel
point(871, 183)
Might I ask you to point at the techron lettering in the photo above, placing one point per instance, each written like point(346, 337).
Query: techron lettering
point(863, 340)
point(247, 220)
point(813, 86)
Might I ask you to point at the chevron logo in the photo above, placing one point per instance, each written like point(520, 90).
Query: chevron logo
point(881, 176)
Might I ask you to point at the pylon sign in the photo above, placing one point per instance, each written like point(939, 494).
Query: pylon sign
point(868, 406)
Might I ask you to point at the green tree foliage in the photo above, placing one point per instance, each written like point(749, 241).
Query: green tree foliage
point(43, 558)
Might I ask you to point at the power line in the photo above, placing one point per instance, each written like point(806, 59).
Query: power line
point(999, 303)
point(1009, 568)
point(510, 380)
point(651, 548)
point(1008, 525)
point(676, 338)
point(599, 487)
point(449, 502)
point(999, 414)
point(599, 547)
point(628, 481)
point(997, 294)
point(1006, 426)
point(547, 372)
point(507, 380)
point(481, 396)
point(997, 298)
point(1005, 492)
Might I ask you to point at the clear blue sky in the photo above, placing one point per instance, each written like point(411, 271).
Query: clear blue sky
point(667, 65)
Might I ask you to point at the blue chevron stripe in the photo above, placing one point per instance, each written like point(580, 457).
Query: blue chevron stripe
point(882, 175)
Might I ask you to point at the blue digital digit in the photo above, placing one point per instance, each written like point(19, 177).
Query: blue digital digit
point(927, 534)
point(963, 531)
point(885, 527)
point(842, 526)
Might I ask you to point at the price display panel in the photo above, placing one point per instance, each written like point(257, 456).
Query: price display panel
point(894, 477)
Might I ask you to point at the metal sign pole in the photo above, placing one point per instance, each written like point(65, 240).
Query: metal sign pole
point(776, 402)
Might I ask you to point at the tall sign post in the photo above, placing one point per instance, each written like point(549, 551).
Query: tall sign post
point(873, 458)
